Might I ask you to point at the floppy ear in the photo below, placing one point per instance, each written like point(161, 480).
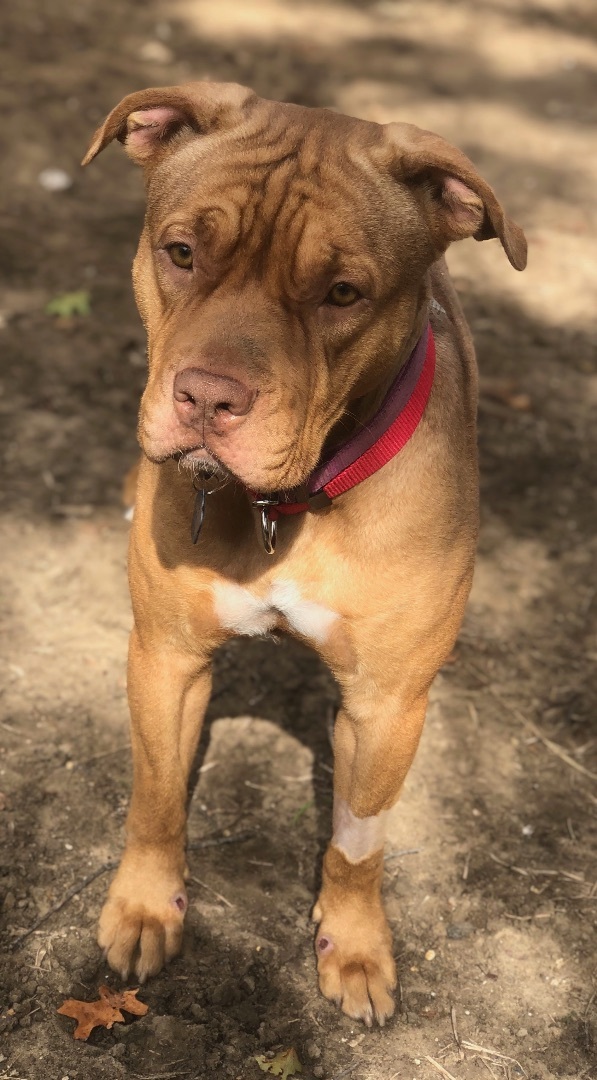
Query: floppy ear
point(147, 120)
point(461, 202)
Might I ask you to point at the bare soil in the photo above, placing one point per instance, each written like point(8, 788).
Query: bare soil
point(491, 878)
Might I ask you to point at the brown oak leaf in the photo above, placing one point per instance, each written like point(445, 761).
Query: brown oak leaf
point(105, 1012)
point(126, 1000)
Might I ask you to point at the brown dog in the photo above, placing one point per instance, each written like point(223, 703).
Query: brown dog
point(291, 281)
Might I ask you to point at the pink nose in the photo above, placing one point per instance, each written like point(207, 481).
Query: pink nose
point(200, 396)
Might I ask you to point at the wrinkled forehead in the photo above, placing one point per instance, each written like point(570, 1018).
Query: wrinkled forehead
point(300, 181)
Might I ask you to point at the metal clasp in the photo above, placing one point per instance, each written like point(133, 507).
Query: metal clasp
point(269, 528)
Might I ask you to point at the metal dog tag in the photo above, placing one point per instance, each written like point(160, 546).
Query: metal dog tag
point(198, 514)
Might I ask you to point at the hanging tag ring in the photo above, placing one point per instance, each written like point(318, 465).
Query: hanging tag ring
point(202, 491)
point(198, 513)
point(269, 527)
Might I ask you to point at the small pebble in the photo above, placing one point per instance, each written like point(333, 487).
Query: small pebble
point(520, 1034)
point(318, 1071)
point(313, 1050)
point(458, 931)
point(54, 180)
point(430, 954)
point(155, 52)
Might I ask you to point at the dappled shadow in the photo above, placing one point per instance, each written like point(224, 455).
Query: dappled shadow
point(68, 411)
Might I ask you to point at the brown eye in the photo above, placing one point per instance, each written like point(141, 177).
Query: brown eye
point(181, 255)
point(342, 294)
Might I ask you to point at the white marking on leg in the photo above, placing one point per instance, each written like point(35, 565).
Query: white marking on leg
point(307, 617)
point(357, 837)
point(238, 610)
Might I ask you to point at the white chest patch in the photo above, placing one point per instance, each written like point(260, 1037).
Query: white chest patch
point(239, 610)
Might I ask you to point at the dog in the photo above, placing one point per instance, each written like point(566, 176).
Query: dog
point(309, 466)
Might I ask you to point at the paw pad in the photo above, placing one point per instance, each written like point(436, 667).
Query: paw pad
point(324, 946)
point(180, 902)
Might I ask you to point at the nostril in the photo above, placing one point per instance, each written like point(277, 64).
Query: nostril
point(183, 396)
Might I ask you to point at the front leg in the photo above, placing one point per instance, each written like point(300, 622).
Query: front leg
point(354, 942)
point(141, 923)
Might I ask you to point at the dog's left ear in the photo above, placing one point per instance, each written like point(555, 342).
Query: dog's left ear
point(147, 120)
point(459, 201)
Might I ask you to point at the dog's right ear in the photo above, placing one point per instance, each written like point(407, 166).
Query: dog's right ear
point(147, 120)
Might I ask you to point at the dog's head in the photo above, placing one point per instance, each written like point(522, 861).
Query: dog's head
point(281, 267)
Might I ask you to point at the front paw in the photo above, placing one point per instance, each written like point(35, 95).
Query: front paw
point(354, 960)
point(141, 923)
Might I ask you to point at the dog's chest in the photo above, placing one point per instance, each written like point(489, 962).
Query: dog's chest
point(241, 611)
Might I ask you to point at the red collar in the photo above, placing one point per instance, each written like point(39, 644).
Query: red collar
point(367, 451)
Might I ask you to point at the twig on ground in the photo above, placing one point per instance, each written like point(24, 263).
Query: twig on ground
point(440, 1068)
point(103, 754)
point(160, 1076)
point(488, 1067)
point(237, 838)
point(528, 871)
point(554, 748)
point(215, 841)
point(12, 731)
point(455, 1030)
point(203, 885)
point(508, 866)
point(531, 726)
point(206, 768)
point(589, 1004)
point(404, 851)
point(76, 889)
point(346, 1072)
point(494, 1055)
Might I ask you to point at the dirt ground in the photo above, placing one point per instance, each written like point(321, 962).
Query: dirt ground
point(491, 884)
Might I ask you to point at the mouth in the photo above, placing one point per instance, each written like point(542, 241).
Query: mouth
point(204, 465)
point(208, 471)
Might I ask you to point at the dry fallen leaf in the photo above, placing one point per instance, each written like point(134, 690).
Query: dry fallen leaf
point(126, 1000)
point(105, 1012)
point(284, 1064)
point(90, 1014)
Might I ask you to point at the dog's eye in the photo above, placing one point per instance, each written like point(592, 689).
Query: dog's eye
point(181, 255)
point(342, 294)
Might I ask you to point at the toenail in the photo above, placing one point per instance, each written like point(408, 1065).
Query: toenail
point(180, 901)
